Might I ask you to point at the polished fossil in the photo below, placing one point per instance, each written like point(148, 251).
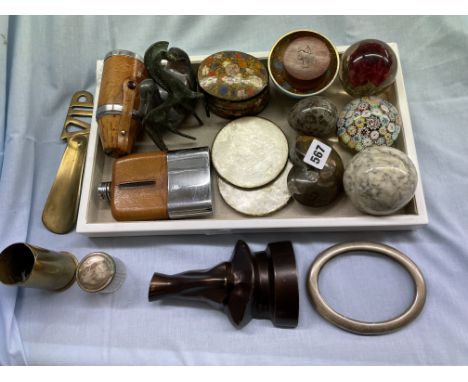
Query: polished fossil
point(309, 185)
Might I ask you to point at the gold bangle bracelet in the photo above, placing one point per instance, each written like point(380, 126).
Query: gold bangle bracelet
point(362, 327)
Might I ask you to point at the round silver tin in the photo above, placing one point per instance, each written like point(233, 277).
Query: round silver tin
point(99, 272)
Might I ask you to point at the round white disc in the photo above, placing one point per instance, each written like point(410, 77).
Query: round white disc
point(250, 152)
point(260, 201)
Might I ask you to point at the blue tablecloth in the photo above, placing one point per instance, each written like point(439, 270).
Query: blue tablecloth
point(43, 60)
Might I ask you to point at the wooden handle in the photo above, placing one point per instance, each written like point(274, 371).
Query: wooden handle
point(61, 208)
point(128, 103)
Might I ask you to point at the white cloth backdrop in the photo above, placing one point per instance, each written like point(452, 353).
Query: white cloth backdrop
point(45, 59)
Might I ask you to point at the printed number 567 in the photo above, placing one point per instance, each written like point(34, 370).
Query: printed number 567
point(318, 153)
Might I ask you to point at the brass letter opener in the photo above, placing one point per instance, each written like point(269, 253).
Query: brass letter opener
point(61, 208)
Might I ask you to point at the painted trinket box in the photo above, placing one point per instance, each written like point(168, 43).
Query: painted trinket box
point(235, 84)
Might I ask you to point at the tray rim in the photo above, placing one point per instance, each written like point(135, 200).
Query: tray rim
point(211, 226)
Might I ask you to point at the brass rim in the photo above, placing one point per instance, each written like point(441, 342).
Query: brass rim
point(363, 327)
point(73, 279)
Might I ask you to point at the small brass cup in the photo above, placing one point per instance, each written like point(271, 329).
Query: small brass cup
point(29, 266)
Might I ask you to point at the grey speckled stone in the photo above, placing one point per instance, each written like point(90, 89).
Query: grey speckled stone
point(314, 116)
point(380, 180)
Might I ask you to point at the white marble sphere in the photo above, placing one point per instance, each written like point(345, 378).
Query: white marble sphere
point(380, 180)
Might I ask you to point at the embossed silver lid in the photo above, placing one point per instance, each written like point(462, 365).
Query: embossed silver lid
point(95, 272)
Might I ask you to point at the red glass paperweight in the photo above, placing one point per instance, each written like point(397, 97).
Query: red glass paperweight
point(368, 67)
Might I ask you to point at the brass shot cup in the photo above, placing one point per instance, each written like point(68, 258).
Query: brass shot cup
point(29, 266)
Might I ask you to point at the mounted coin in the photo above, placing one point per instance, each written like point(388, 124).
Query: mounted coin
point(99, 272)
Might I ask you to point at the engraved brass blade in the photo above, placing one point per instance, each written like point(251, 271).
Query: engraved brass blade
point(61, 208)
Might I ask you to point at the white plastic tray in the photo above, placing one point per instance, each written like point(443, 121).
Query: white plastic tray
point(95, 219)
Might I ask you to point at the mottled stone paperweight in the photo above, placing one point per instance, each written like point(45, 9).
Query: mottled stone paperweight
point(315, 116)
point(380, 180)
